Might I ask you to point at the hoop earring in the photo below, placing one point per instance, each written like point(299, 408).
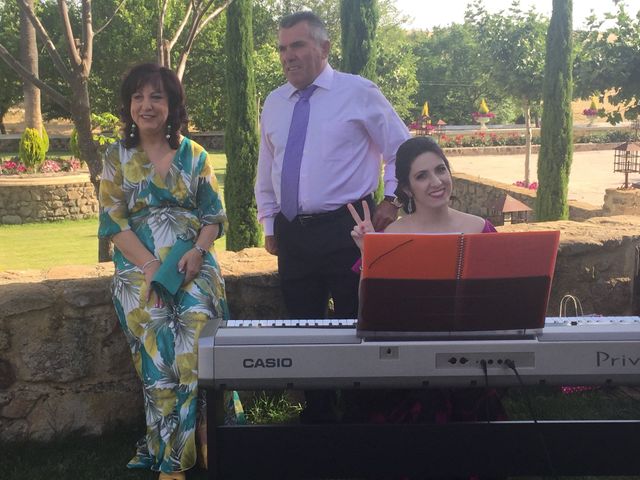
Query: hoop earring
point(411, 205)
point(168, 135)
point(132, 133)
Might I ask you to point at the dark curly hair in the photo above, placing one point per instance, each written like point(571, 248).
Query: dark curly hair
point(407, 153)
point(153, 74)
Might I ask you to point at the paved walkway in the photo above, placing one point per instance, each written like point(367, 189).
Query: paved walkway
point(591, 172)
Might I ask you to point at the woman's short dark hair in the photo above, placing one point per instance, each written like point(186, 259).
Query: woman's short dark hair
point(407, 153)
point(153, 74)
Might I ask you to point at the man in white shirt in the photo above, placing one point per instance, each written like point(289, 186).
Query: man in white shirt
point(352, 128)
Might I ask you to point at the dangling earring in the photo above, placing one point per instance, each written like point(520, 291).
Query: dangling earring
point(411, 205)
point(168, 135)
point(133, 130)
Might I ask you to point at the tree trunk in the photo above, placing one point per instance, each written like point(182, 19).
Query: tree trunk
point(29, 58)
point(3, 129)
point(81, 113)
point(527, 141)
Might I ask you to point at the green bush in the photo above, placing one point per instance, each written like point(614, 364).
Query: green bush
point(74, 148)
point(31, 151)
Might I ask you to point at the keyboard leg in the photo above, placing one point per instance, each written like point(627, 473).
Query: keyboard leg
point(215, 417)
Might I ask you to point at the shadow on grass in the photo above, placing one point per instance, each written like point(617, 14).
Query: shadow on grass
point(105, 457)
point(78, 457)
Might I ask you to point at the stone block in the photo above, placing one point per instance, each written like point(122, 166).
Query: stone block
point(5, 342)
point(18, 299)
point(7, 374)
point(54, 349)
point(86, 293)
point(11, 220)
point(21, 405)
point(14, 430)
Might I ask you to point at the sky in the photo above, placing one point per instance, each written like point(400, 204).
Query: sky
point(427, 14)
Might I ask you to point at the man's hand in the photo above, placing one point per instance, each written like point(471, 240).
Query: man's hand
point(385, 214)
point(271, 244)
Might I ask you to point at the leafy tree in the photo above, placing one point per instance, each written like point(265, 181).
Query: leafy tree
point(127, 40)
point(610, 62)
point(204, 78)
point(513, 45)
point(396, 69)
point(75, 70)
point(451, 73)
point(556, 143)
point(195, 17)
point(359, 21)
point(241, 136)
point(269, 75)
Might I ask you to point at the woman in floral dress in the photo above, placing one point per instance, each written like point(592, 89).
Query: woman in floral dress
point(160, 206)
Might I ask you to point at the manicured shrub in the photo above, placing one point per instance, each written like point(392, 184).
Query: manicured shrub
point(74, 148)
point(31, 151)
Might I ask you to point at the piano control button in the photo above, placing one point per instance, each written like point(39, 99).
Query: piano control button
point(463, 360)
point(453, 360)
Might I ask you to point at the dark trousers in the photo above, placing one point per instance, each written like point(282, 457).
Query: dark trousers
point(315, 256)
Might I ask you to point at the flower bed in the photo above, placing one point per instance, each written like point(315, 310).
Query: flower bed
point(13, 166)
point(494, 139)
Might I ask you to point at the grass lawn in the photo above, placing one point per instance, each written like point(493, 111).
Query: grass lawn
point(71, 242)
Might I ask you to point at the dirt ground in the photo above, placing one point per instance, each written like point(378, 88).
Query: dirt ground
point(14, 123)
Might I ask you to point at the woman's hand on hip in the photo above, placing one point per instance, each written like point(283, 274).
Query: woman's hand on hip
point(190, 264)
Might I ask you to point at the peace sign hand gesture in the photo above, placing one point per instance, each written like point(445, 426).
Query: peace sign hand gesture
point(362, 226)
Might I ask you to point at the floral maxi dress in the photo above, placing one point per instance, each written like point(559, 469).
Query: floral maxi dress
point(163, 341)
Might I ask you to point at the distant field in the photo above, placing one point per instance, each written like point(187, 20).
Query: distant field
point(71, 242)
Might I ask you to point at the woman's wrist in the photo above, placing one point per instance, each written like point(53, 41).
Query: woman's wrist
point(148, 263)
point(201, 250)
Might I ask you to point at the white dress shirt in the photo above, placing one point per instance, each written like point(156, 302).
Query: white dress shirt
point(352, 126)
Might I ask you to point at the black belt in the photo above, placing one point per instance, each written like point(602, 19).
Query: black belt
point(310, 218)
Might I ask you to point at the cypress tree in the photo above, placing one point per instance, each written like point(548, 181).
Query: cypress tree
point(556, 142)
point(359, 21)
point(241, 134)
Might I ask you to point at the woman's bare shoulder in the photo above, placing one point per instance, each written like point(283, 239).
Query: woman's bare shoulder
point(401, 225)
point(470, 223)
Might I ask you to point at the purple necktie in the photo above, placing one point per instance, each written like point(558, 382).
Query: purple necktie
point(293, 154)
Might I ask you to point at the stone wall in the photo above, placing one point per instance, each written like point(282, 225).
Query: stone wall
point(28, 200)
point(518, 149)
point(477, 195)
point(65, 365)
point(621, 201)
point(25, 200)
point(64, 362)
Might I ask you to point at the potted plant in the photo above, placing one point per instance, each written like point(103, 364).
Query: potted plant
point(483, 115)
point(592, 112)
